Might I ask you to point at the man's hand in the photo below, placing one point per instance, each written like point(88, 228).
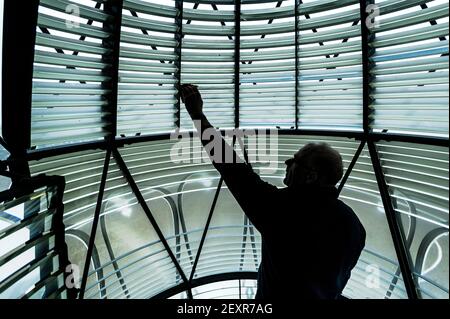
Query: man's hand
point(191, 97)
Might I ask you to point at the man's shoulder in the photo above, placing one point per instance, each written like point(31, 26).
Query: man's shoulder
point(352, 220)
point(348, 213)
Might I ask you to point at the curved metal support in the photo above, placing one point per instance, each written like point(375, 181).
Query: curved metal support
point(95, 258)
point(132, 183)
point(206, 280)
point(202, 241)
point(424, 246)
point(181, 216)
point(397, 237)
point(98, 208)
point(410, 233)
point(350, 167)
point(176, 221)
point(111, 254)
point(248, 231)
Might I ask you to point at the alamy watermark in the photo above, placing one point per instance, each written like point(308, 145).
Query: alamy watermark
point(74, 11)
point(373, 11)
point(261, 147)
point(72, 276)
point(373, 276)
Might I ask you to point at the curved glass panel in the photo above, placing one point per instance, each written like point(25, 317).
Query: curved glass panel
point(133, 260)
point(207, 59)
point(32, 258)
point(418, 178)
point(410, 68)
point(69, 79)
point(180, 176)
point(267, 65)
point(295, 65)
point(330, 67)
point(147, 68)
point(165, 43)
point(82, 172)
point(377, 274)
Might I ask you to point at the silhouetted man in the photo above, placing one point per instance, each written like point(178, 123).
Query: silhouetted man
point(310, 239)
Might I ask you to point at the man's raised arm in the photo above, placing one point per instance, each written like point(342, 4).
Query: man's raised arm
point(245, 185)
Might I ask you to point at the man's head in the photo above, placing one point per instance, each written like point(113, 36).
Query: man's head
point(315, 164)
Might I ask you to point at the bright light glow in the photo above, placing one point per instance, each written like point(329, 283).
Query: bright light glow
point(380, 209)
point(126, 211)
point(207, 182)
point(123, 205)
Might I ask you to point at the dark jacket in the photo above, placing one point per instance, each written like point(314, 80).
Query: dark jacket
point(311, 240)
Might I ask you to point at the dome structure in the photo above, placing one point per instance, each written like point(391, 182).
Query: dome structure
point(93, 96)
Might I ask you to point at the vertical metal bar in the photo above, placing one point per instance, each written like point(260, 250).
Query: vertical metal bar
point(179, 4)
point(240, 294)
point(182, 220)
point(19, 25)
point(244, 242)
point(33, 207)
point(141, 200)
point(208, 221)
point(205, 231)
point(113, 26)
point(111, 254)
point(397, 236)
point(58, 225)
point(95, 224)
point(237, 59)
point(253, 244)
point(366, 39)
point(350, 167)
point(409, 235)
point(297, 71)
point(178, 51)
point(54, 202)
point(114, 8)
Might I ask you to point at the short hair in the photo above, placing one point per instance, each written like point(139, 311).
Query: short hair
point(326, 161)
